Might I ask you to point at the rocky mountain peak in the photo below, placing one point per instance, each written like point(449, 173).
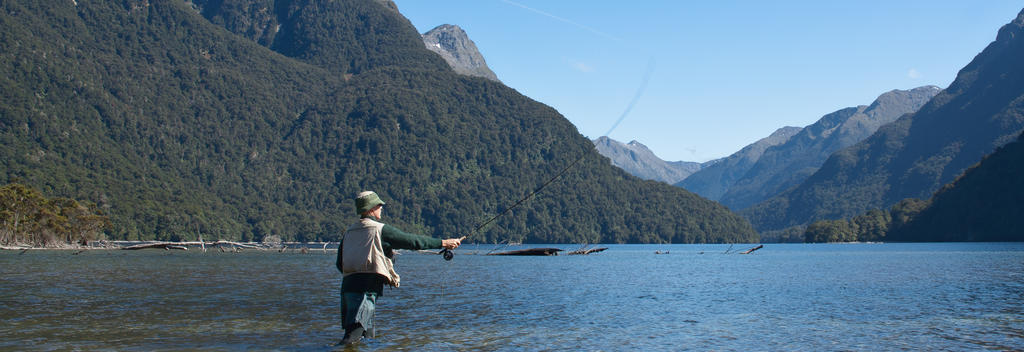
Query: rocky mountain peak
point(454, 45)
point(638, 146)
point(640, 161)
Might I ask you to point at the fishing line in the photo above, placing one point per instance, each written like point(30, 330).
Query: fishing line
point(636, 97)
point(448, 254)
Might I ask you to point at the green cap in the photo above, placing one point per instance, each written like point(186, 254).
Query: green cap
point(366, 200)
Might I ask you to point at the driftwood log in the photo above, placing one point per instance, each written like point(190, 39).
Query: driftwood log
point(164, 245)
point(584, 251)
point(15, 248)
point(530, 251)
point(183, 245)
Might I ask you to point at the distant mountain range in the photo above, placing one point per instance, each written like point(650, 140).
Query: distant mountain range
point(757, 172)
point(713, 181)
point(788, 164)
point(791, 154)
point(641, 162)
point(918, 153)
point(454, 45)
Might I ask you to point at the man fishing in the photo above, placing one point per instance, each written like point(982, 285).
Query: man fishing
point(365, 261)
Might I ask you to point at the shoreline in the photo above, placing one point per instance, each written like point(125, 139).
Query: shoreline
point(182, 245)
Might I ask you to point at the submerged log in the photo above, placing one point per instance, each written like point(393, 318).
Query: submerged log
point(530, 251)
point(752, 249)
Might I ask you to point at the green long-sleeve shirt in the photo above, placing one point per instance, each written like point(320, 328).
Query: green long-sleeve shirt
point(391, 238)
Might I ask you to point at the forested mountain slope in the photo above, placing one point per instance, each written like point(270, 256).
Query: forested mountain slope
point(175, 125)
point(915, 155)
point(985, 204)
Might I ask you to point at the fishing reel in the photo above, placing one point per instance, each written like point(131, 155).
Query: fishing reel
point(448, 254)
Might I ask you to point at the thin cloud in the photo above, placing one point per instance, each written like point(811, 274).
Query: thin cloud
point(582, 67)
point(561, 19)
point(913, 74)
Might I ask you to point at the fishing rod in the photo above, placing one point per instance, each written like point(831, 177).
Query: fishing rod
point(449, 254)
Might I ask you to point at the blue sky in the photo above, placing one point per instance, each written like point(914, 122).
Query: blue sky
point(723, 74)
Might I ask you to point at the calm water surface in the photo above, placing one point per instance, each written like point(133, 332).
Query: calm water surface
point(783, 297)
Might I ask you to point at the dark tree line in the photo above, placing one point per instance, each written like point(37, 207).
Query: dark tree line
point(29, 218)
point(872, 226)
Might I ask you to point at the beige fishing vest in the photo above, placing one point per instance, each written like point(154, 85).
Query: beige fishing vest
point(362, 251)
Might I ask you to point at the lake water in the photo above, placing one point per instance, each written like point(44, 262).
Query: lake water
point(960, 296)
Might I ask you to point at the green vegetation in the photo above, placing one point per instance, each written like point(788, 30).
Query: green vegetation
point(29, 218)
point(984, 204)
point(174, 126)
point(872, 226)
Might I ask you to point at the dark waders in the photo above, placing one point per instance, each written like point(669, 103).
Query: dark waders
point(357, 310)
